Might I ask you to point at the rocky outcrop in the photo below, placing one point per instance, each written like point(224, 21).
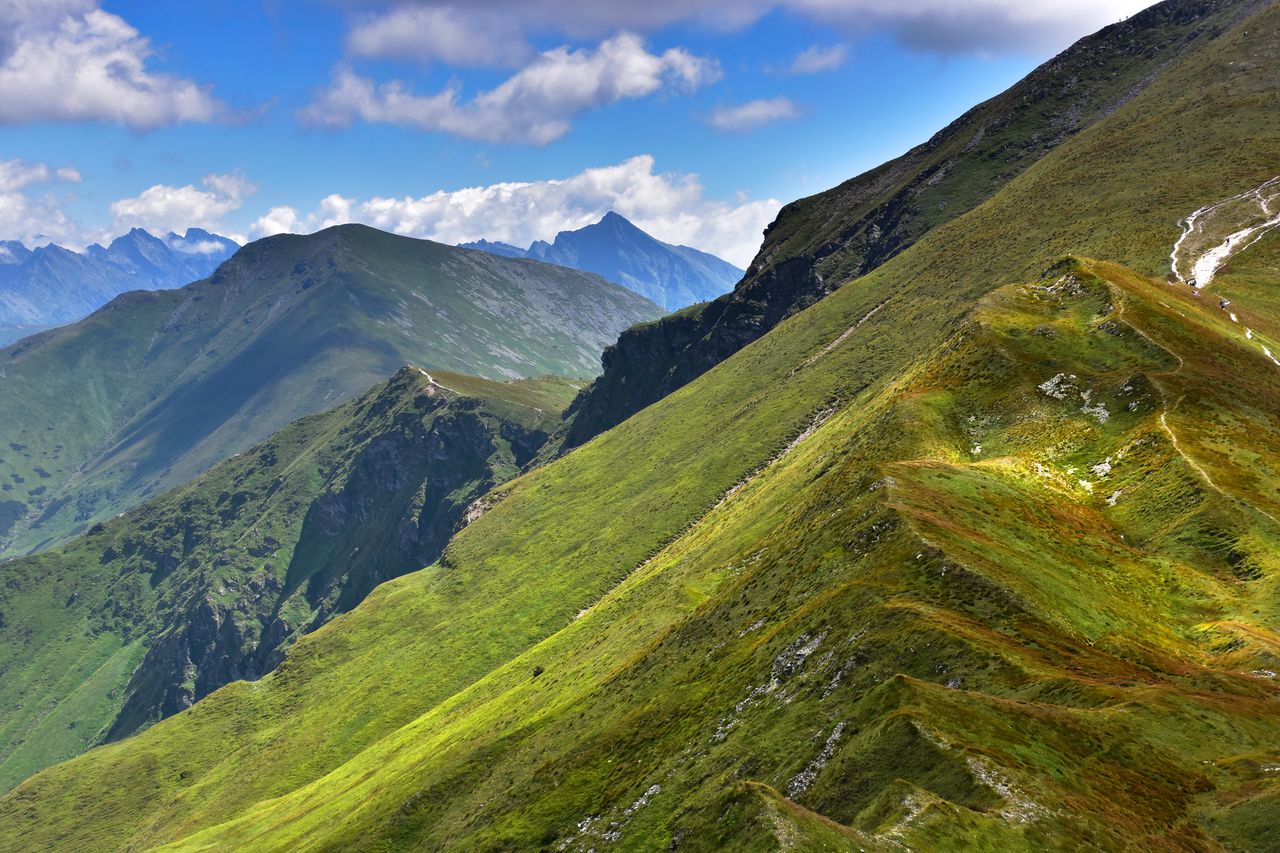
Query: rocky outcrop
point(408, 471)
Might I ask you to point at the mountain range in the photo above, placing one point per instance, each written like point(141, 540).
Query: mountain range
point(156, 387)
point(51, 286)
point(675, 277)
point(954, 526)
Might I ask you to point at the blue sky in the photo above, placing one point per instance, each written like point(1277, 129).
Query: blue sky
point(495, 118)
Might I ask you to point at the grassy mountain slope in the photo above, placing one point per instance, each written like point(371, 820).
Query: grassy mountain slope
point(847, 587)
point(166, 384)
point(212, 582)
point(819, 243)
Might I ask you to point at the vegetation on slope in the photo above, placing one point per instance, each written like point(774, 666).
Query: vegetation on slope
point(846, 588)
point(157, 387)
point(212, 582)
point(819, 243)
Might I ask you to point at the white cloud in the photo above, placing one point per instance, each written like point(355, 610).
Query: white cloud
point(70, 61)
point(441, 34)
point(815, 60)
point(164, 208)
point(672, 207)
point(535, 105)
point(753, 114)
point(36, 219)
point(277, 220)
point(16, 174)
point(946, 26)
point(333, 210)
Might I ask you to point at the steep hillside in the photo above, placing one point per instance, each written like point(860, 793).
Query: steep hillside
point(819, 243)
point(157, 387)
point(51, 285)
point(977, 552)
point(672, 276)
point(210, 583)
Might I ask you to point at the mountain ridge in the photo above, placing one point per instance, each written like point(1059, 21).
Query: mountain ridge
point(976, 551)
point(52, 286)
point(168, 383)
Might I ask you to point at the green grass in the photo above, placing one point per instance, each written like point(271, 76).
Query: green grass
point(955, 649)
point(822, 242)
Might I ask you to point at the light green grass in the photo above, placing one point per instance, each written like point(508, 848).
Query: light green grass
point(999, 659)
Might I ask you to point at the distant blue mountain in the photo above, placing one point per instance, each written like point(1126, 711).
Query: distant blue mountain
point(613, 248)
point(506, 250)
point(52, 286)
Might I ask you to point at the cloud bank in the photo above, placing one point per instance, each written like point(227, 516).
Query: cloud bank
point(671, 207)
point(35, 219)
point(162, 208)
point(945, 26)
point(535, 105)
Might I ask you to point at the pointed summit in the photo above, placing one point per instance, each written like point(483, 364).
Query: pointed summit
point(618, 250)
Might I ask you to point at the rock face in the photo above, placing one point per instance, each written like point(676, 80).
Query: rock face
point(820, 243)
point(388, 508)
point(675, 277)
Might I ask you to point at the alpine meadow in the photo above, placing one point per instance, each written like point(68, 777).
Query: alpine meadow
point(949, 521)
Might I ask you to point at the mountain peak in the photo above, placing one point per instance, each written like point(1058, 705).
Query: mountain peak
point(615, 218)
point(616, 249)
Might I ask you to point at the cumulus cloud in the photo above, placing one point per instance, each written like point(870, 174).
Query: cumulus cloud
point(535, 105)
point(753, 114)
point(333, 210)
point(163, 208)
point(70, 61)
point(278, 220)
point(946, 26)
point(816, 59)
point(672, 207)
